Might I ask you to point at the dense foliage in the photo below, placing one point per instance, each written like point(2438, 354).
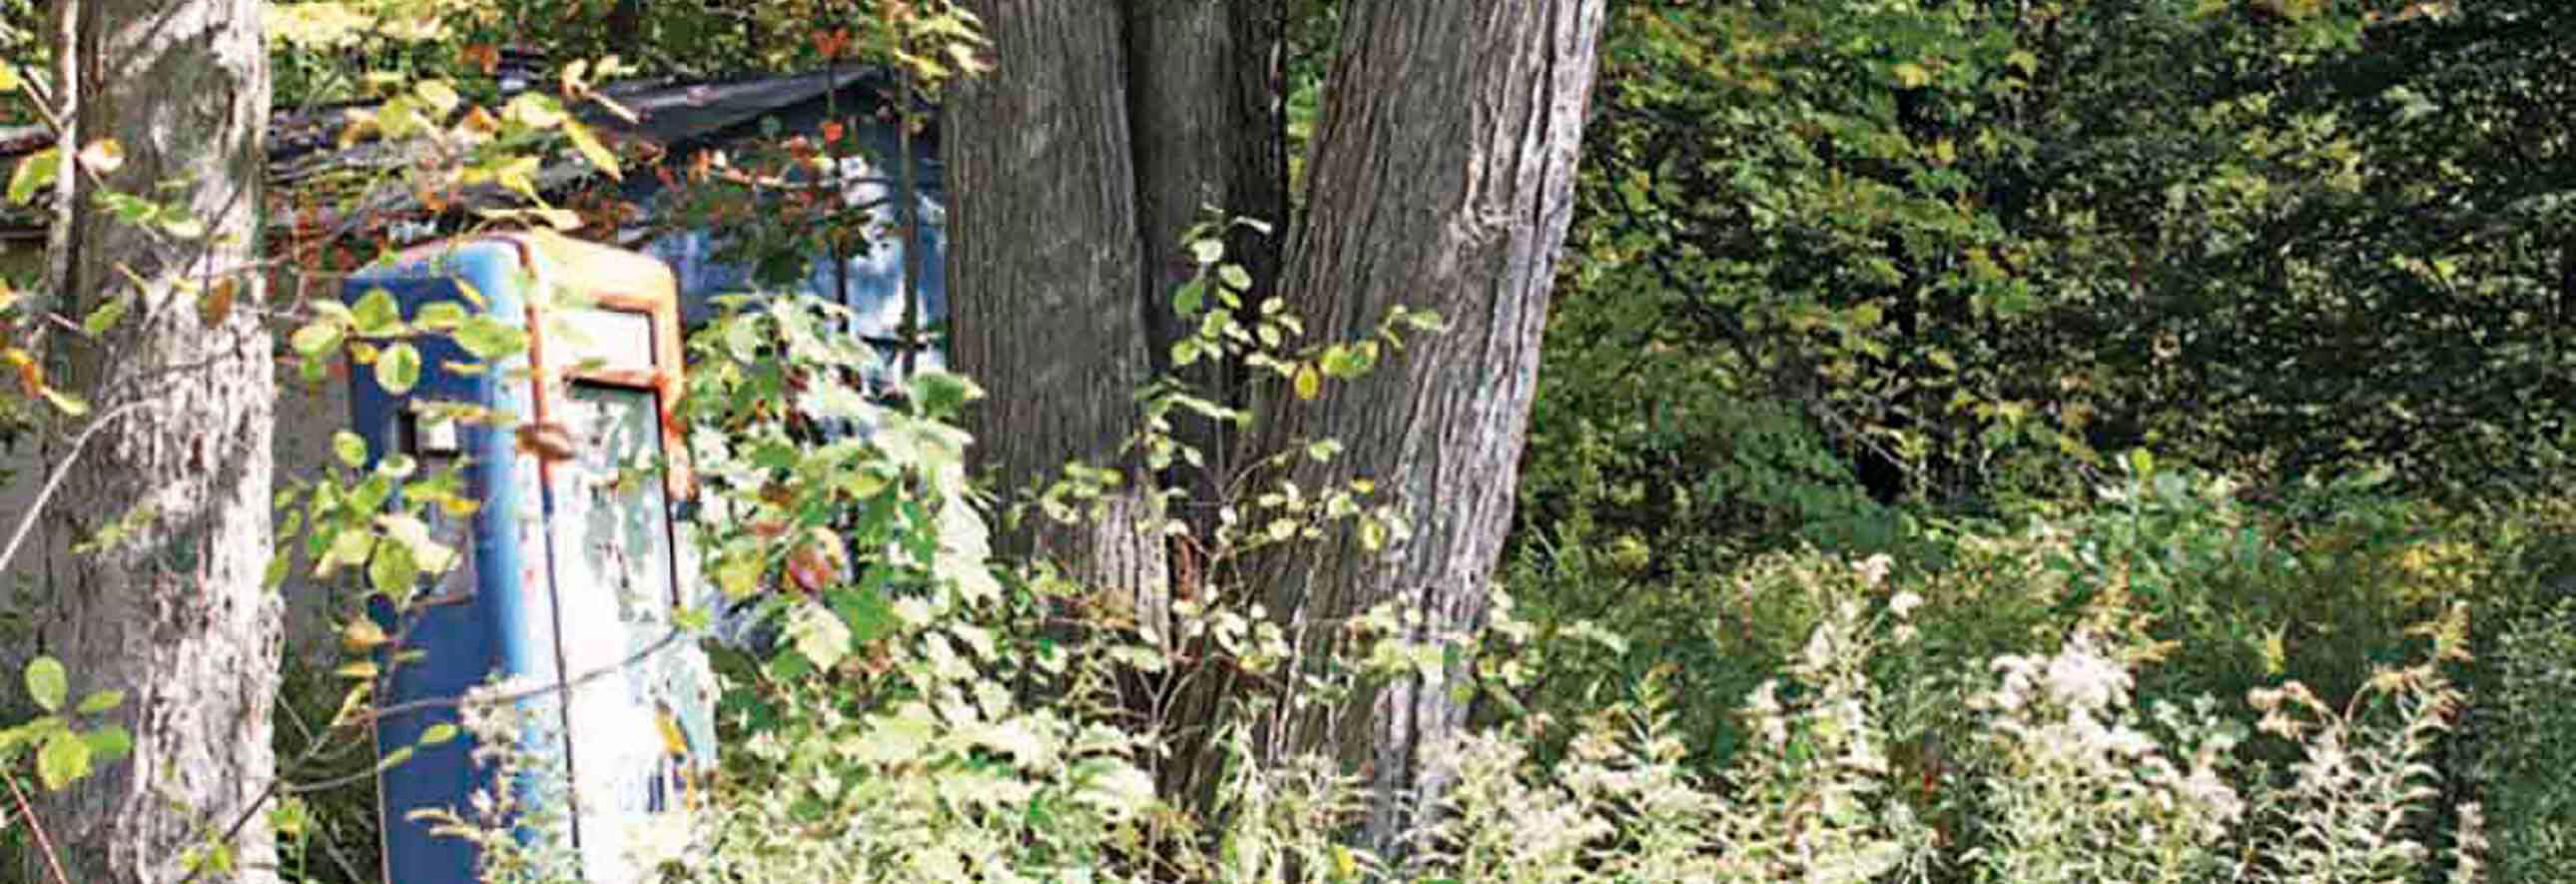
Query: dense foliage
point(2046, 440)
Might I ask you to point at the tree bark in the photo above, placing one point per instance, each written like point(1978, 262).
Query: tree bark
point(176, 614)
point(1441, 178)
point(1203, 92)
point(1045, 272)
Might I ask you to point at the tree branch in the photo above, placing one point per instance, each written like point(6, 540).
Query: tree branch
point(62, 470)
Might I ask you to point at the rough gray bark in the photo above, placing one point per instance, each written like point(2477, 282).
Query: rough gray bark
point(176, 615)
point(1044, 272)
point(1441, 178)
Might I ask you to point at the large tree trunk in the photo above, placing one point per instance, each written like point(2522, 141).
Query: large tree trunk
point(1106, 131)
point(1044, 275)
point(1441, 179)
point(175, 614)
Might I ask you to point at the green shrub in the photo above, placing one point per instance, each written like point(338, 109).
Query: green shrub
point(2528, 756)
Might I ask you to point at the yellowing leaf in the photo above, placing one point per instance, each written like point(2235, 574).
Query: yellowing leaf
point(103, 156)
point(1911, 75)
point(533, 111)
point(591, 149)
point(438, 95)
point(66, 402)
point(315, 338)
point(739, 576)
point(47, 683)
point(361, 635)
point(398, 368)
point(64, 758)
point(672, 741)
point(1309, 383)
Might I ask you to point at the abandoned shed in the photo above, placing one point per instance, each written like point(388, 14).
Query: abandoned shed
point(674, 124)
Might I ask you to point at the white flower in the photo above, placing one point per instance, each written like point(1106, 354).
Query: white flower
point(1873, 570)
point(1904, 603)
point(2128, 742)
point(2083, 679)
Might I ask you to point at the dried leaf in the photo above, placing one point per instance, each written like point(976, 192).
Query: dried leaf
point(548, 440)
point(216, 304)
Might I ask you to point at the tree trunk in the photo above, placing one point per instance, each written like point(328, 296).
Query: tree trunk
point(176, 613)
point(1441, 179)
point(1203, 92)
point(1044, 276)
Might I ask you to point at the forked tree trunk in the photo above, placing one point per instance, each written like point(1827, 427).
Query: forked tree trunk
point(1105, 131)
point(1044, 273)
point(1203, 93)
point(1441, 179)
point(176, 613)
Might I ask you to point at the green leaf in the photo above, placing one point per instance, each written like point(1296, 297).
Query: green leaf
point(27, 732)
point(33, 174)
point(349, 547)
point(351, 449)
point(316, 338)
point(47, 683)
point(413, 534)
point(739, 575)
point(1235, 277)
point(1190, 297)
point(819, 635)
point(438, 734)
point(941, 393)
point(865, 611)
point(393, 571)
point(101, 701)
point(398, 368)
point(181, 225)
point(63, 759)
point(106, 315)
point(533, 110)
point(376, 314)
point(1208, 251)
point(108, 742)
point(488, 338)
point(440, 315)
